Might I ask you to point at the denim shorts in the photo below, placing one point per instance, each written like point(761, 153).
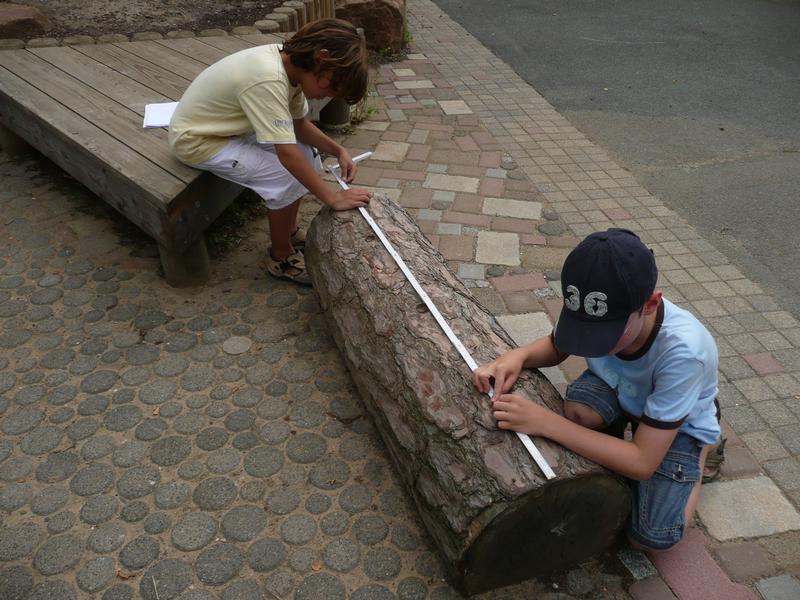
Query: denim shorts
point(659, 503)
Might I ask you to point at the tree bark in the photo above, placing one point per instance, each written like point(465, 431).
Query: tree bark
point(493, 515)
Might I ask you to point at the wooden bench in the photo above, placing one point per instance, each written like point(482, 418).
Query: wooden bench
point(82, 107)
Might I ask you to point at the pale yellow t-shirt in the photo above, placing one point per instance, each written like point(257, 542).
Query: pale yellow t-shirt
point(244, 93)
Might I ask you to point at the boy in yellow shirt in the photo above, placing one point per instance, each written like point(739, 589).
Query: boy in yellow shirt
point(243, 119)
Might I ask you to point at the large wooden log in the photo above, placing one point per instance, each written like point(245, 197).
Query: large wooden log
point(493, 515)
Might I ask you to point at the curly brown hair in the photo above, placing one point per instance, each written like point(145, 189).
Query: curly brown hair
point(347, 60)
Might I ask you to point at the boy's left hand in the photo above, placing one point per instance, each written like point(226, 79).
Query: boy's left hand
point(517, 413)
point(347, 166)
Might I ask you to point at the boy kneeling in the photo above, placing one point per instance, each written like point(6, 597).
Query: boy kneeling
point(649, 361)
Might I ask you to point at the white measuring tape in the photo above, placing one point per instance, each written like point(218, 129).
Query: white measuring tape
point(526, 440)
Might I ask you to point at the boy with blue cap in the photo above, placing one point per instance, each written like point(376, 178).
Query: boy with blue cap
point(649, 362)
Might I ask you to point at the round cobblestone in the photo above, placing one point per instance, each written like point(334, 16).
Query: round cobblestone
point(272, 408)
point(223, 460)
point(120, 591)
point(15, 495)
point(172, 494)
point(94, 479)
point(135, 376)
point(106, 538)
point(317, 503)
point(54, 589)
point(283, 501)
point(82, 428)
point(243, 523)
point(412, 588)
point(320, 586)
point(157, 522)
point(382, 563)
point(61, 522)
point(341, 555)
point(237, 345)
point(275, 432)
point(19, 540)
point(170, 450)
point(189, 424)
point(41, 440)
point(62, 394)
point(97, 447)
point(263, 461)
point(180, 342)
point(49, 500)
point(141, 354)
point(211, 438)
point(370, 529)
point(252, 491)
point(171, 365)
point(58, 554)
point(139, 553)
point(266, 554)
point(22, 420)
point(138, 482)
point(306, 448)
point(218, 564)
point(197, 379)
point(298, 529)
point(15, 583)
point(240, 419)
point(405, 538)
point(353, 447)
point(150, 429)
point(355, 498)
point(245, 440)
point(303, 559)
point(61, 415)
point(99, 509)
point(193, 532)
point(217, 410)
point(171, 577)
point(190, 469)
point(16, 468)
point(123, 396)
point(99, 381)
point(122, 418)
point(135, 511)
point(150, 319)
point(95, 405)
point(6, 447)
point(157, 392)
point(96, 574)
point(129, 454)
point(248, 397)
point(329, 474)
point(214, 493)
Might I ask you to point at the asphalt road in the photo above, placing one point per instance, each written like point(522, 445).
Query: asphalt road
point(700, 100)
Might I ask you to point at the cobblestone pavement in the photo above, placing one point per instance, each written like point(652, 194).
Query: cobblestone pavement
point(162, 443)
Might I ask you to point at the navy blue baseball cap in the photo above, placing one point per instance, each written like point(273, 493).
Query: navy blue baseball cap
point(609, 275)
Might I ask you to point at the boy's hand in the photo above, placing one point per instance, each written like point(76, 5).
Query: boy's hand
point(347, 166)
point(517, 413)
point(352, 198)
point(504, 370)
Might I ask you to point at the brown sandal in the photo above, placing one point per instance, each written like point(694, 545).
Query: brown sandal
point(293, 268)
point(714, 459)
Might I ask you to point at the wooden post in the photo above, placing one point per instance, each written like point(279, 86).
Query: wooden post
point(291, 13)
point(494, 517)
point(188, 269)
point(311, 14)
point(300, 11)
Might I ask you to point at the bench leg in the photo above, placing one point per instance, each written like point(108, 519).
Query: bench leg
point(12, 144)
point(188, 269)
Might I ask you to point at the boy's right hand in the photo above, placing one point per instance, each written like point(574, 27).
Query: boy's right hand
point(505, 371)
point(352, 198)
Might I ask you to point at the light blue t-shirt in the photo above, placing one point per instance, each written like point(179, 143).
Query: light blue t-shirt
point(672, 381)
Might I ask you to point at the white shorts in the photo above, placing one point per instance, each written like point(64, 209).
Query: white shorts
point(256, 166)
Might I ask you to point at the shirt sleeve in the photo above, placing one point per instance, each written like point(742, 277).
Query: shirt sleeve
point(267, 107)
point(298, 105)
point(676, 391)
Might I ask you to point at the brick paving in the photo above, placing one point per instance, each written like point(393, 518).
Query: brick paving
point(165, 443)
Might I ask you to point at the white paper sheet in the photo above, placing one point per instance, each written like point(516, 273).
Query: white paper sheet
point(158, 115)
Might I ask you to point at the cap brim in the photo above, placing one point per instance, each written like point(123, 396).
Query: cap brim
point(589, 339)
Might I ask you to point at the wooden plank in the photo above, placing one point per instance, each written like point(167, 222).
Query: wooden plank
point(259, 39)
point(228, 43)
point(178, 63)
point(196, 49)
point(122, 90)
point(134, 188)
point(152, 75)
point(118, 121)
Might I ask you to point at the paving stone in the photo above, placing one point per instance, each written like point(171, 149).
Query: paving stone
point(266, 554)
point(22, 420)
point(82, 428)
point(212, 438)
point(746, 508)
point(223, 460)
point(518, 209)
point(172, 494)
point(58, 554)
point(243, 523)
point(139, 553)
point(137, 482)
point(94, 479)
point(218, 564)
point(455, 107)
point(19, 540)
point(381, 563)
point(165, 580)
point(405, 538)
point(341, 555)
point(637, 563)
point(129, 454)
point(526, 328)
point(96, 574)
point(49, 500)
point(16, 468)
point(652, 588)
point(744, 560)
point(453, 183)
point(214, 493)
point(106, 538)
point(14, 496)
point(781, 587)
point(150, 429)
point(498, 248)
point(263, 461)
point(170, 450)
point(134, 511)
